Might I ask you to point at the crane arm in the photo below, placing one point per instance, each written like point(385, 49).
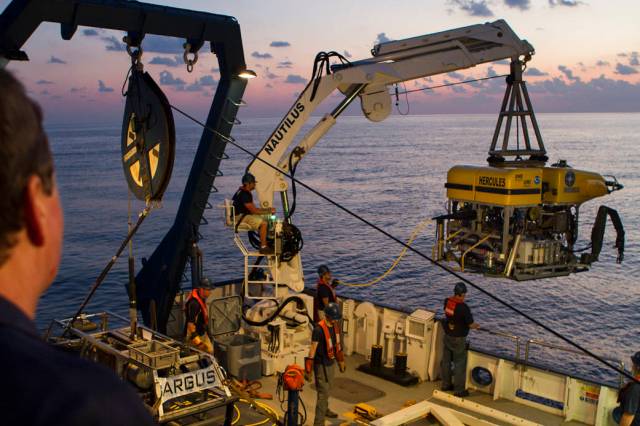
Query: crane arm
point(391, 62)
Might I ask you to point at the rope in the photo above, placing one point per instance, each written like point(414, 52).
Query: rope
point(418, 252)
point(419, 227)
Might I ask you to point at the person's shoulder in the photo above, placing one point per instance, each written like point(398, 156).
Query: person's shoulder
point(56, 387)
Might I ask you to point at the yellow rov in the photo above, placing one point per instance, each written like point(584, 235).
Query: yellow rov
point(517, 218)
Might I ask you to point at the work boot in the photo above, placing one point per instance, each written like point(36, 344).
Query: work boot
point(330, 414)
point(462, 394)
point(266, 250)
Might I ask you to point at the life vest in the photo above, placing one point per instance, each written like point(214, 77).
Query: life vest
point(450, 306)
point(316, 300)
point(331, 352)
point(194, 295)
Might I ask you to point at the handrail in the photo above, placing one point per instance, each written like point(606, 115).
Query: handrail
point(471, 248)
point(543, 343)
point(513, 337)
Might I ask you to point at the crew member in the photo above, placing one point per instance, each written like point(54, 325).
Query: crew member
point(629, 397)
point(326, 349)
point(458, 321)
point(197, 317)
point(42, 385)
point(248, 214)
point(325, 292)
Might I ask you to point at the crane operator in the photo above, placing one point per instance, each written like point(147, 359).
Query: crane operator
point(248, 214)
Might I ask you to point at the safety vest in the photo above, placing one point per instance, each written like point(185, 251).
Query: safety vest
point(194, 295)
point(450, 306)
point(316, 300)
point(331, 353)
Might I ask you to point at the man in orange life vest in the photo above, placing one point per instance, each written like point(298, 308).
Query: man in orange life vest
point(248, 214)
point(458, 321)
point(197, 317)
point(325, 292)
point(326, 349)
point(629, 397)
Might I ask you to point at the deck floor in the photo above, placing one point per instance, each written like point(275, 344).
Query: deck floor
point(396, 396)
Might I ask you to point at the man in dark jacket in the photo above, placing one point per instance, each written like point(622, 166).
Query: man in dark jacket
point(41, 384)
point(248, 215)
point(458, 321)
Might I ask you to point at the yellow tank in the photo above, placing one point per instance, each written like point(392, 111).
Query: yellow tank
point(570, 186)
point(495, 186)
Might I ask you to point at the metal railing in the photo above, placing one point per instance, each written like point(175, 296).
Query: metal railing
point(509, 336)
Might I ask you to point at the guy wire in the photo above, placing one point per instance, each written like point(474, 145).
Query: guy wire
point(445, 268)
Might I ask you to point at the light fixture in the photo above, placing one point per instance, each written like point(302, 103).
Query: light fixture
point(247, 74)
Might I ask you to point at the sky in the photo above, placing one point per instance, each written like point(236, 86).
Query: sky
point(586, 60)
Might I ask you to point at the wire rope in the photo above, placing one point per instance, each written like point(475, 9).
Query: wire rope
point(416, 251)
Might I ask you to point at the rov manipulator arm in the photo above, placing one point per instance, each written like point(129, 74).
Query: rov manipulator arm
point(597, 234)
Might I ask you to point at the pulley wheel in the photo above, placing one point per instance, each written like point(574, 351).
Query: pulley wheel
point(148, 138)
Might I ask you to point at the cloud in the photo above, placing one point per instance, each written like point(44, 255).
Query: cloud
point(501, 62)
point(54, 60)
point(215, 70)
point(456, 75)
point(270, 75)
point(346, 54)
point(602, 63)
point(269, 86)
point(280, 44)
point(285, 64)
point(44, 82)
point(90, 32)
point(167, 79)
point(160, 44)
point(44, 93)
point(568, 73)
point(295, 79)
point(102, 88)
point(491, 72)
point(473, 7)
point(625, 69)
point(113, 44)
point(568, 3)
point(208, 80)
point(169, 62)
point(198, 85)
point(78, 89)
point(535, 72)
point(634, 61)
point(381, 38)
point(259, 55)
point(518, 4)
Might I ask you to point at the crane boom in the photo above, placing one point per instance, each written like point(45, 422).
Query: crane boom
point(391, 62)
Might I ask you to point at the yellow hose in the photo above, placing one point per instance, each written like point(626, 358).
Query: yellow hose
point(264, 407)
point(419, 227)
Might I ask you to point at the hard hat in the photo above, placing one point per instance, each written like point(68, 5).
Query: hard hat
point(323, 269)
point(460, 289)
point(332, 311)
point(204, 283)
point(248, 178)
point(636, 359)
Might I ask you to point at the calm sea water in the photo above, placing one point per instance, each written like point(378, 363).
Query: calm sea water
point(392, 173)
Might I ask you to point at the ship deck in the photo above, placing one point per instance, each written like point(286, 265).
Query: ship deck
point(395, 397)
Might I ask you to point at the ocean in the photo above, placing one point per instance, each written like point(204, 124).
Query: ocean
point(393, 174)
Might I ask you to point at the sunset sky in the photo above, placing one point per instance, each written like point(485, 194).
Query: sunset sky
point(586, 55)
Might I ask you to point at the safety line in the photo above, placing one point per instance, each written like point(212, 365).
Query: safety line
point(416, 251)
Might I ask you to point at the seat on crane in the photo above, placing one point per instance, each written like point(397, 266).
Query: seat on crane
point(230, 217)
